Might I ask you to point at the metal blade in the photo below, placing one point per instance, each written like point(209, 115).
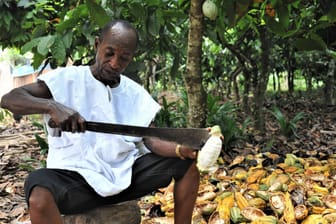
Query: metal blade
point(192, 137)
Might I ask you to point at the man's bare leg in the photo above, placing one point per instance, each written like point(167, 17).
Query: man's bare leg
point(185, 194)
point(42, 207)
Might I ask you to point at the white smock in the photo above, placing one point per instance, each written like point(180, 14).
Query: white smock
point(104, 160)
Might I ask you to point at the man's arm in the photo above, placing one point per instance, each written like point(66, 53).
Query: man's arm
point(36, 98)
point(169, 149)
point(28, 99)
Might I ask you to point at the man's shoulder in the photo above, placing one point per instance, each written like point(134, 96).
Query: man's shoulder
point(73, 71)
point(74, 68)
point(67, 73)
point(130, 82)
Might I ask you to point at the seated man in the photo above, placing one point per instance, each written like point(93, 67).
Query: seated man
point(88, 169)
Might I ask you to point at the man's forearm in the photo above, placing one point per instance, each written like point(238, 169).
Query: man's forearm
point(169, 149)
point(160, 147)
point(19, 101)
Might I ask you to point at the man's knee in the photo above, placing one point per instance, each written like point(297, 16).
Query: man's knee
point(193, 171)
point(40, 198)
point(190, 173)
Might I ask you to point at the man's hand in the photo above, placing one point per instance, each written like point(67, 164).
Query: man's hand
point(169, 149)
point(65, 118)
point(187, 152)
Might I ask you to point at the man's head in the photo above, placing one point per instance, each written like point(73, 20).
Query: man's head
point(115, 48)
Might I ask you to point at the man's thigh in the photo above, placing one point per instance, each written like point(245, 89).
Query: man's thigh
point(151, 172)
point(74, 195)
point(71, 192)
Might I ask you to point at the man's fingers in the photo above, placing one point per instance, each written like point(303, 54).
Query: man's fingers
point(74, 126)
point(52, 123)
point(81, 124)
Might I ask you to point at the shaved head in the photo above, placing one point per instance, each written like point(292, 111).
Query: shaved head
point(120, 27)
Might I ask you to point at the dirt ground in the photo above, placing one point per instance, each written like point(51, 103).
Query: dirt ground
point(20, 153)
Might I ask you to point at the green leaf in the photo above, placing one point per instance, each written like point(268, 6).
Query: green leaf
point(42, 142)
point(72, 18)
point(297, 117)
point(39, 30)
point(283, 16)
point(7, 18)
point(331, 53)
point(45, 44)
point(30, 45)
point(152, 25)
point(38, 125)
point(275, 26)
point(153, 2)
point(37, 60)
point(332, 14)
point(25, 3)
point(67, 39)
point(309, 44)
point(97, 13)
point(58, 50)
point(134, 10)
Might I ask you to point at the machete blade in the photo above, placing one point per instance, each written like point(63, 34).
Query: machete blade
point(192, 137)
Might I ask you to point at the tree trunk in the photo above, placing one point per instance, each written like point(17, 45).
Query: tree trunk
point(148, 74)
point(330, 82)
point(261, 81)
point(309, 84)
point(193, 74)
point(290, 71)
point(247, 87)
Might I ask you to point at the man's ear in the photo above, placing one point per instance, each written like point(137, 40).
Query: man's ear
point(96, 43)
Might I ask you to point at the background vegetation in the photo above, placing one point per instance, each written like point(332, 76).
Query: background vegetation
point(247, 50)
point(264, 70)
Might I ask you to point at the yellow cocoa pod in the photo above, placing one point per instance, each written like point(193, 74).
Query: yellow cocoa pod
point(263, 195)
point(236, 216)
point(315, 219)
point(320, 190)
point(331, 217)
point(224, 208)
point(257, 202)
point(317, 209)
point(241, 201)
point(289, 214)
point(223, 195)
point(268, 219)
point(255, 176)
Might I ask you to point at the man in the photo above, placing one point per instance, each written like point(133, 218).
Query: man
point(87, 169)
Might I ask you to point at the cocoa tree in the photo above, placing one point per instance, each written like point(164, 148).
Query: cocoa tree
point(193, 74)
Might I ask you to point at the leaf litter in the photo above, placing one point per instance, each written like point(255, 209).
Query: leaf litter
point(308, 161)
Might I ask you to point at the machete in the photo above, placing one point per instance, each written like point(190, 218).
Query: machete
point(192, 137)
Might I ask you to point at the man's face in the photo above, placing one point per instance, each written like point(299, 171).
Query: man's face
point(113, 54)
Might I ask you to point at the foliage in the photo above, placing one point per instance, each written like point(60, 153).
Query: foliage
point(169, 115)
point(4, 114)
point(58, 31)
point(223, 114)
point(287, 126)
point(42, 141)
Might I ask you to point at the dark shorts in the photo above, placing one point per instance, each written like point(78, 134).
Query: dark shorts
point(74, 195)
